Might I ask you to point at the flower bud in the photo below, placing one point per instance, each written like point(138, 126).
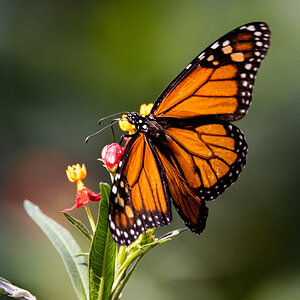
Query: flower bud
point(111, 155)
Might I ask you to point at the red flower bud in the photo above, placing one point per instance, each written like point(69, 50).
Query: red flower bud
point(111, 155)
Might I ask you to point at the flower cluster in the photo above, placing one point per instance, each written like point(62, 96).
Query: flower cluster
point(77, 173)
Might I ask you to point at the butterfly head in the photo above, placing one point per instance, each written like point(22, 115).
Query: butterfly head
point(139, 121)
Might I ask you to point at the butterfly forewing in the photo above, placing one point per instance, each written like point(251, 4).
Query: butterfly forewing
point(138, 200)
point(219, 81)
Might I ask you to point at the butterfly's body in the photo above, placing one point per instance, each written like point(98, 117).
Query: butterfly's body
point(145, 124)
point(186, 150)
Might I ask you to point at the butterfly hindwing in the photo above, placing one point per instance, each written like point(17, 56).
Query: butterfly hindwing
point(209, 156)
point(200, 162)
point(191, 208)
point(219, 81)
point(138, 200)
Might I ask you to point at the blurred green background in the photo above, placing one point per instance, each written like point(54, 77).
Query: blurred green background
point(64, 64)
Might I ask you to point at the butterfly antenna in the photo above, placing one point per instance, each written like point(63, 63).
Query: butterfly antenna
point(107, 117)
point(112, 128)
point(113, 122)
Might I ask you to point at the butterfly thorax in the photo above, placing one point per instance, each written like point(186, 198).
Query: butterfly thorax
point(145, 124)
point(139, 121)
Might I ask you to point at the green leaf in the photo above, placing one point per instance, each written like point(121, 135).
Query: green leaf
point(80, 226)
point(12, 291)
point(67, 247)
point(102, 253)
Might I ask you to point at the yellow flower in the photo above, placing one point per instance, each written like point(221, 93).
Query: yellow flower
point(145, 109)
point(76, 173)
point(126, 126)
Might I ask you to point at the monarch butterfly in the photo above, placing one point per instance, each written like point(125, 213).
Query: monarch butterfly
point(185, 149)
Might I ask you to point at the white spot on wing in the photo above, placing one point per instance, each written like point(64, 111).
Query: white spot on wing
point(251, 27)
point(114, 189)
point(215, 45)
point(202, 55)
point(248, 66)
point(112, 225)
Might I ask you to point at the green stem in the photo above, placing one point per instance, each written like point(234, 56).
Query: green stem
point(120, 273)
point(121, 287)
point(122, 269)
point(121, 257)
point(90, 217)
point(126, 264)
point(117, 280)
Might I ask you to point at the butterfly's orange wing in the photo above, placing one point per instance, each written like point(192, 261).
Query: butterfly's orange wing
point(219, 81)
point(188, 203)
point(200, 163)
point(192, 153)
point(139, 198)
